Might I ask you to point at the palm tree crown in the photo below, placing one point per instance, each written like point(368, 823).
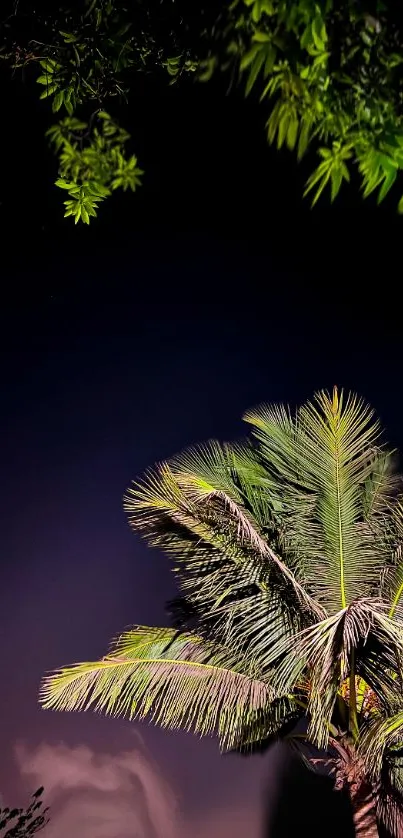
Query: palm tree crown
point(288, 553)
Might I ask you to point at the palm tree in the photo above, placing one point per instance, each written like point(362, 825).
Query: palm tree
point(288, 552)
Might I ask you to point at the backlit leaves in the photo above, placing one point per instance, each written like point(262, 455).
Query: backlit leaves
point(334, 98)
point(92, 163)
point(329, 75)
point(333, 170)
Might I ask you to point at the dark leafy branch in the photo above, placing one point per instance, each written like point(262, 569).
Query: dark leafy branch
point(22, 823)
point(330, 75)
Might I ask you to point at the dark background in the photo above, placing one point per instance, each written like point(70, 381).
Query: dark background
point(211, 289)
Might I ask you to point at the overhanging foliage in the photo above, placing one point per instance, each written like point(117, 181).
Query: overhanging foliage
point(329, 75)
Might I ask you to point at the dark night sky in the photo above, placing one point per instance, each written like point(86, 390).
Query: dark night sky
point(212, 290)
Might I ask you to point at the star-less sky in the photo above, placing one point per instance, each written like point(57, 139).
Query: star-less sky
point(121, 345)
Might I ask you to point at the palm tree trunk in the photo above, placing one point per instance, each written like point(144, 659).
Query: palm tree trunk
point(364, 810)
point(350, 774)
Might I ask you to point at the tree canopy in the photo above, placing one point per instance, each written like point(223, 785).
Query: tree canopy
point(328, 74)
point(287, 549)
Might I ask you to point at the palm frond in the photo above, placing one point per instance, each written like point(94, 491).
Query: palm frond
point(382, 743)
point(195, 508)
point(322, 458)
point(338, 441)
point(322, 653)
point(176, 680)
point(197, 491)
point(266, 726)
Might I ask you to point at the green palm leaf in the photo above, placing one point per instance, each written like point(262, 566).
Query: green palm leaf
point(177, 680)
point(194, 507)
point(196, 497)
point(323, 653)
point(384, 735)
point(321, 458)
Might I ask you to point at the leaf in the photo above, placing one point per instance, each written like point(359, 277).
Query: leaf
point(69, 37)
point(320, 176)
point(292, 132)
point(68, 103)
point(249, 57)
point(262, 37)
point(58, 100)
point(336, 178)
point(271, 55)
point(273, 121)
point(63, 184)
point(48, 91)
point(319, 32)
point(256, 66)
point(333, 169)
point(50, 65)
point(304, 135)
point(387, 185)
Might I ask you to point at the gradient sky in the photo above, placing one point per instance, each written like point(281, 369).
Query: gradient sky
point(211, 291)
point(89, 403)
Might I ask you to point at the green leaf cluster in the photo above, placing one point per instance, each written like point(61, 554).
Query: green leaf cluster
point(92, 163)
point(329, 73)
point(334, 76)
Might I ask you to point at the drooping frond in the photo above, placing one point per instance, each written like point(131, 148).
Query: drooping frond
point(322, 654)
point(194, 507)
point(267, 725)
point(197, 491)
point(176, 680)
point(384, 738)
point(322, 458)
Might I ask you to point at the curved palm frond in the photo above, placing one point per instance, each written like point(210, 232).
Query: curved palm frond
point(176, 680)
point(195, 509)
point(197, 491)
point(266, 726)
point(322, 653)
point(383, 741)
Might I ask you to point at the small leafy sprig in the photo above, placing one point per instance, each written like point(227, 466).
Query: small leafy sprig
point(92, 162)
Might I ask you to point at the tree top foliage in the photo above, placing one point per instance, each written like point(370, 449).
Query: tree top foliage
point(328, 74)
